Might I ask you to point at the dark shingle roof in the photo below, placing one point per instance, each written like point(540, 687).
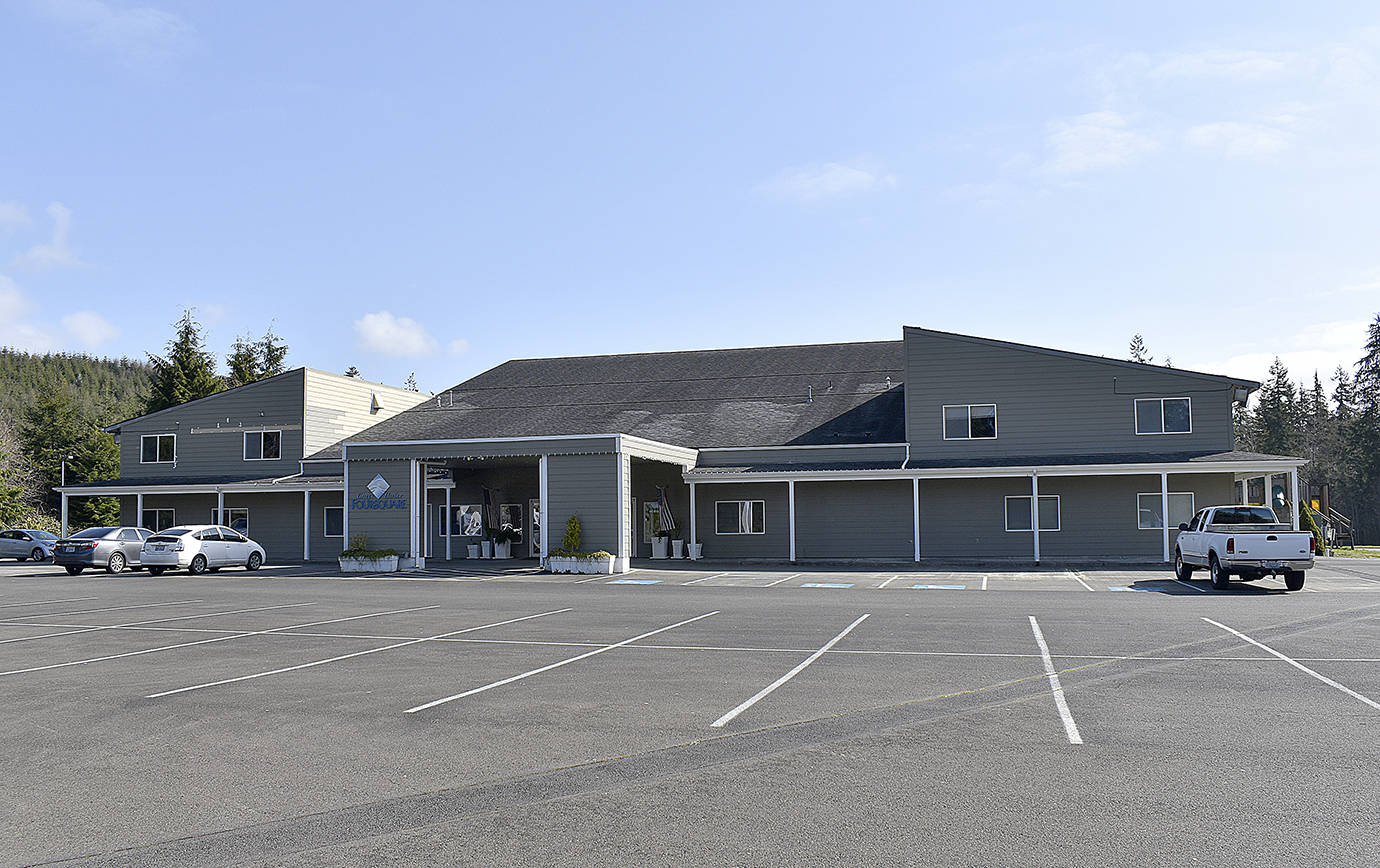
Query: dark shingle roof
point(759, 396)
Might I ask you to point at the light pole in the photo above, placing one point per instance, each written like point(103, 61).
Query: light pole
point(63, 465)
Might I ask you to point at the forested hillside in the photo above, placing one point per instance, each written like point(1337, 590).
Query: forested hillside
point(108, 389)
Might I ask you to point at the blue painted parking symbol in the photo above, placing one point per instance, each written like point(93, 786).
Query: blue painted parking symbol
point(827, 585)
point(634, 582)
point(940, 587)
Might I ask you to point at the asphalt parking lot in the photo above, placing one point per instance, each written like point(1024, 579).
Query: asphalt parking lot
point(498, 716)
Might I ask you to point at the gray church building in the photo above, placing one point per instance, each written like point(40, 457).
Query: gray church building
point(937, 446)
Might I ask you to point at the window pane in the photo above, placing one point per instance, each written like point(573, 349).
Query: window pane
point(167, 444)
point(759, 516)
point(272, 443)
point(335, 521)
point(1148, 419)
point(150, 450)
point(253, 446)
point(1049, 513)
point(955, 423)
point(1148, 510)
point(1180, 509)
point(1176, 416)
point(1018, 513)
point(726, 517)
point(984, 421)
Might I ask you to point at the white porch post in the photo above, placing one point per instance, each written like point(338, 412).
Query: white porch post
point(543, 471)
point(345, 498)
point(413, 513)
point(220, 507)
point(1035, 513)
point(790, 500)
point(64, 515)
point(1294, 508)
point(306, 524)
point(693, 537)
point(915, 513)
point(447, 521)
point(139, 510)
point(1164, 511)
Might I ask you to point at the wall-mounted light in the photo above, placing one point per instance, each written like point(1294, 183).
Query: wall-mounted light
point(1240, 394)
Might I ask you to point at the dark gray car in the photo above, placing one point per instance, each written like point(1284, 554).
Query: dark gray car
point(113, 548)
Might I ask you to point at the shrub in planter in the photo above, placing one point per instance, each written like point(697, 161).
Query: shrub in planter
point(359, 558)
point(569, 559)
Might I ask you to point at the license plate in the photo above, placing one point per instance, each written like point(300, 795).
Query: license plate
point(159, 549)
point(1274, 565)
point(67, 549)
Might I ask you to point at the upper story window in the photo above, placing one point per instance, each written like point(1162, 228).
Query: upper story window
point(263, 445)
point(1164, 416)
point(970, 421)
point(158, 449)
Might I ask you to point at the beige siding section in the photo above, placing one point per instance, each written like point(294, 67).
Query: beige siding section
point(337, 407)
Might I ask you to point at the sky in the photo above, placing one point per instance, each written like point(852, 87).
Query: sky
point(441, 186)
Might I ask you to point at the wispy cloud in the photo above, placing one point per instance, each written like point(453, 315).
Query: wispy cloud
point(1234, 139)
point(1232, 64)
point(1093, 141)
point(134, 34)
point(90, 330)
point(826, 181)
point(57, 252)
point(458, 346)
point(390, 335)
point(16, 331)
point(13, 215)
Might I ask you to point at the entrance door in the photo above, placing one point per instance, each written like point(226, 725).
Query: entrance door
point(534, 528)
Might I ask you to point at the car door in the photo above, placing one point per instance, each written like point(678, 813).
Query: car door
point(236, 546)
point(130, 544)
point(7, 546)
point(209, 544)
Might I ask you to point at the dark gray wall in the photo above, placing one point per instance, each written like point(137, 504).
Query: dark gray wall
point(741, 457)
point(774, 544)
point(965, 518)
point(272, 403)
point(863, 519)
point(323, 548)
point(386, 528)
point(1048, 404)
point(584, 485)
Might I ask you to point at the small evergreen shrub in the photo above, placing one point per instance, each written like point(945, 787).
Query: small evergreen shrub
point(1308, 523)
point(574, 534)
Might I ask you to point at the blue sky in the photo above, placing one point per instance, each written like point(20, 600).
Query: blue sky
point(438, 187)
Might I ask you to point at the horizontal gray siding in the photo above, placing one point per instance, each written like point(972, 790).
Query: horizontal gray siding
point(854, 520)
point(443, 451)
point(385, 528)
point(275, 522)
point(774, 544)
point(741, 457)
point(324, 548)
point(1048, 404)
point(965, 518)
point(338, 407)
point(273, 403)
point(585, 485)
point(187, 508)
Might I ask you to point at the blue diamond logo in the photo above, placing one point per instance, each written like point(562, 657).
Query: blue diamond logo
point(378, 485)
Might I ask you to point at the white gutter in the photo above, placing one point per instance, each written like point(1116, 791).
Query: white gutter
point(706, 475)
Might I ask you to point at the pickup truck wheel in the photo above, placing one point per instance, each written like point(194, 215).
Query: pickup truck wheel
point(1181, 569)
point(1221, 579)
point(1293, 580)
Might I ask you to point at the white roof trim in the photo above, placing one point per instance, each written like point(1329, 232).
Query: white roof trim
point(706, 476)
point(816, 446)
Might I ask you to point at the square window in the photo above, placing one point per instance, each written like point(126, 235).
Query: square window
point(158, 520)
point(970, 421)
point(1176, 416)
point(956, 422)
point(1149, 507)
point(157, 448)
point(262, 445)
point(984, 421)
point(1018, 513)
point(1149, 417)
point(1164, 416)
point(335, 521)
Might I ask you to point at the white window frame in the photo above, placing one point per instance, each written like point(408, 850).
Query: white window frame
point(217, 520)
point(1058, 514)
point(325, 524)
point(1157, 495)
point(749, 531)
point(1135, 416)
point(156, 460)
point(943, 428)
point(157, 509)
point(260, 435)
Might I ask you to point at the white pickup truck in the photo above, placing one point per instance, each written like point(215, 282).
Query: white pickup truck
point(1247, 541)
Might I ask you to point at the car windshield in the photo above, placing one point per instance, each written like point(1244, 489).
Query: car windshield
point(43, 534)
point(93, 533)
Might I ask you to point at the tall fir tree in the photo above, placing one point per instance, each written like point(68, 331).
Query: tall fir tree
point(242, 362)
point(1138, 351)
point(1276, 424)
point(272, 352)
point(1363, 437)
point(187, 372)
point(55, 427)
point(410, 384)
point(352, 371)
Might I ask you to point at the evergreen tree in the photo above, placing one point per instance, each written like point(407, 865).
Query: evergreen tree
point(187, 372)
point(55, 427)
point(1138, 351)
point(243, 362)
point(1362, 439)
point(410, 384)
point(21, 490)
point(272, 351)
point(352, 371)
point(1276, 423)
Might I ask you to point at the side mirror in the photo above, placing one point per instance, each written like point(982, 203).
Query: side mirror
point(1183, 526)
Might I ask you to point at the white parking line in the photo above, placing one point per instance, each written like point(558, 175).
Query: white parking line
point(349, 656)
point(887, 582)
point(48, 602)
point(799, 667)
point(590, 579)
point(549, 667)
point(703, 579)
point(984, 581)
point(1079, 579)
point(1070, 728)
point(103, 609)
point(98, 628)
point(779, 581)
point(207, 641)
point(1187, 585)
point(1297, 665)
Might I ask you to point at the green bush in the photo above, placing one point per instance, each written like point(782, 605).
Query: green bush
point(359, 548)
point(574, 535)
point(1307, 522)
point(574, 553)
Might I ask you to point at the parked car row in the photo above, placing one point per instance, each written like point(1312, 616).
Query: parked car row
point(196, 548)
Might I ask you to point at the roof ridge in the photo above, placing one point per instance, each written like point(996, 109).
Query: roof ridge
point(703, 350)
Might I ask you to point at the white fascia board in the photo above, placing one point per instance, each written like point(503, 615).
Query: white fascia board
point(464, 440)
point(641, 445)
point(816, 446)
point(229, 488)
point(997, 472)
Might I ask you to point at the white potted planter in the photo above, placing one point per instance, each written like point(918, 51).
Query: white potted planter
point(696, 551)
point(472, 551)
point(503, 550)
point(384, 564)
point(677, 548)
point(488, 547)
point(659, 545)
point(598, 566)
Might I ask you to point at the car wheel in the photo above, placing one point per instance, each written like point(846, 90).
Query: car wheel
point(74, 571)
point(156, 571)
point(116, 564)
point(255, 561)
point(197, 566)
point(1181, 569)
point(1221, 579)
point(37, 554)
point(1293, 580)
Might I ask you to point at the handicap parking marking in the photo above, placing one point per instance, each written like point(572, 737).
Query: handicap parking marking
point(827, 585)
point(634, 582)
point(939, 587)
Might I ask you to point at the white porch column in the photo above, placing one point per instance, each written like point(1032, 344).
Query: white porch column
point(622, 559)
point(64, 515)
point(220, 507)
point(1294, 508)
point(790, 500)
point(139, 510)
point(345, 499)
point(306, 524)
point(693, 536)
point(1035, 513)
point(915, 513)
point(1164, 511)
point(543, 478)
point(448, 519)
point(413, 512)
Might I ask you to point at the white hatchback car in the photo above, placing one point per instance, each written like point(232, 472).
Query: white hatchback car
point(198, 548)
